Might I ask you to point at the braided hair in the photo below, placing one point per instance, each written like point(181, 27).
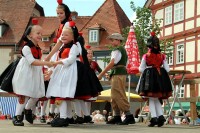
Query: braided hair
point(153, 43)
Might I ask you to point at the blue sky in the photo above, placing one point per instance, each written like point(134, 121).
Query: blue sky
point(87, 7)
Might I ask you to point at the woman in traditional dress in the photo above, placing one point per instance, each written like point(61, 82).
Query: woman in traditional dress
point(154, 82)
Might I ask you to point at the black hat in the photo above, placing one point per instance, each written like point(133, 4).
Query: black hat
point(153, 42)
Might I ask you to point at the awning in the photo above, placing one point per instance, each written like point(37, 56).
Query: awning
point(106, 96)
point(185, 105)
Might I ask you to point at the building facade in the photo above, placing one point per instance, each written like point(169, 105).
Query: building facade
point(181, 22)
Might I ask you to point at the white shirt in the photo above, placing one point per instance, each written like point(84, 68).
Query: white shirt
point(116, 55)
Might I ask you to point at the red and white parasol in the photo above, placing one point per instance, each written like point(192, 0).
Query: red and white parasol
point(132, 52)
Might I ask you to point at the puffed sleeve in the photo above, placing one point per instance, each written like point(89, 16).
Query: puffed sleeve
point(166, 65)
point(28, 54)
point(116, 55)
point(72, 56)
point(143, 65)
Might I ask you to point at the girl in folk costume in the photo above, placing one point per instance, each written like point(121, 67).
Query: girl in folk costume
point(95, 67)
point(28, 80)
point(63, 81)
point(92, 87)
point(64, 15)
point(93, 64)
point(154, 81)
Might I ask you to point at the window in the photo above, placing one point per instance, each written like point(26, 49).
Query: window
point(3, 28)
point(170, 55)
point(45, 39)
point(178, 12)
point(170, 59)
point(93, 36)
point(180, 54)
point(168, 15)
point(181, 91)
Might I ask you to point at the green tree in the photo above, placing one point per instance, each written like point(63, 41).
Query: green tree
point(143, 25)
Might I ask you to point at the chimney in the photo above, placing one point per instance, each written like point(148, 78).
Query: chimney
point(74, 15)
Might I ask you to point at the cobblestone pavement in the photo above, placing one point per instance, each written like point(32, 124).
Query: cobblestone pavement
point(7, 127)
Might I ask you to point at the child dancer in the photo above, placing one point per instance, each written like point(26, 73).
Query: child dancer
point(28, 80)
point(118, 74)
point(64, 15)
point(64, 78)
point(154, 82)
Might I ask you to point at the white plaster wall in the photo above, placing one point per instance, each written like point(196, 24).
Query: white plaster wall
point(168, 31)
point(178, 28)
point(4, 58)
point(179, 68)
point(198, 7)
point(189, 38)
point(198, 22)
point(159, 15)
point(157, 1)
point(190, 51)
point(198, 85)
point(198, 67)
point(189, 8)
point(188, 90)
point(180, 40)
point(198, 58)
point(190, 68)
point(189, 25)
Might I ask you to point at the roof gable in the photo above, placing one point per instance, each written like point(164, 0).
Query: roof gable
point(113, 18)
point(110, 16)
point(17, 14)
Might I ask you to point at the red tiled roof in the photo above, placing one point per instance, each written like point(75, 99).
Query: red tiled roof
point(17, 14)
point(49, 24)
point(111, 17)
point(81, 21)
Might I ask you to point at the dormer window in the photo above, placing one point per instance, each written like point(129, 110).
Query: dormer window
point(45, 39)
point(3, 27)
point(93, 36)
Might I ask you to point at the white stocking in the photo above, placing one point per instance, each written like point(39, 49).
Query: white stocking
point(20, 107)
point(158, 106)
point(69, 109)
point(31, 102)
point(43, 107)
point(63, 109)
point(77, 107)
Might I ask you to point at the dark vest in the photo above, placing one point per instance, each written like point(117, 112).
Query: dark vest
point(120, 67)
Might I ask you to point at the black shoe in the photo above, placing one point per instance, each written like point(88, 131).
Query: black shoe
point(88, 119)
point(79, 120)
point(50, 118)
point(17, 121)
point(71, 120)
point(42, 119)
point(34, 116)
point(153, 122)
point(22, 116)
point(161, 121)
point(49, 122)
point(128, 120)
point(28, 116)
point(57, 115)
point(51, 115)
point(54, 119)
point(115, 120)
point(59, 122)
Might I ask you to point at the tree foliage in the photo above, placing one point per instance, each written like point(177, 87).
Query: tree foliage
point(143, 25)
